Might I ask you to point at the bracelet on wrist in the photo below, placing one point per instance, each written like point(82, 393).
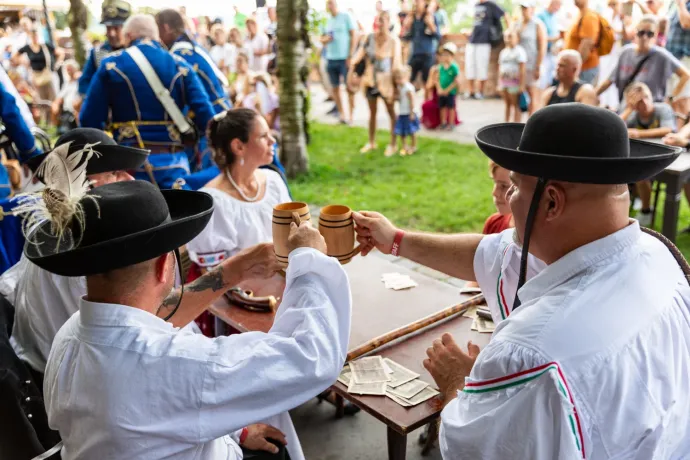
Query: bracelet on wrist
point(243, 435)
point(395, 250)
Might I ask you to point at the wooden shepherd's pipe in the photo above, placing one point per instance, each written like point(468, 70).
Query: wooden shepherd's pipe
point(382, 340)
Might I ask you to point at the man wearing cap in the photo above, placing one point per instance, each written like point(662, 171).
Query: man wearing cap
point(114, 13)
point(121, 380)
point(591, 360)
point(123, 89)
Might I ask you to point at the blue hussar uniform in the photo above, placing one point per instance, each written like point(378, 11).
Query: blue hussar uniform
point(114, 13)
point(97, 54)
point(18, 132)
point(214, 82)
point(138, 118)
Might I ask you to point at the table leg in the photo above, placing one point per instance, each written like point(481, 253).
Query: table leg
point(397, 445)
point(339, 406)
point(671, 208)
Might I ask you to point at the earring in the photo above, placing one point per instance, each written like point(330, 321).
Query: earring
point(241, 161)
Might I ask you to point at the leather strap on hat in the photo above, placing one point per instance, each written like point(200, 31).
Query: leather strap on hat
point(533, 207)
point(178, 260)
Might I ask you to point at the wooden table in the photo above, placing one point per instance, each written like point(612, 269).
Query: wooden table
point(375, 311)
point(674, 176)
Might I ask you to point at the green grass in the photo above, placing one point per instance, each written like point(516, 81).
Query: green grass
point(444, 187)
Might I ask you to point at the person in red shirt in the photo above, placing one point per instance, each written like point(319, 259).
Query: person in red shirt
point(501, 220)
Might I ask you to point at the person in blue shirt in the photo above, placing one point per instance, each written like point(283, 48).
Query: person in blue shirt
point(421, 28)
point(549, 17)
point(113, 15)
point(18, 132)
point(171, 27)
point(339, 41)
point(138, 117)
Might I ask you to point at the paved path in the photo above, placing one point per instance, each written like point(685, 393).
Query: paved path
point(474, 115)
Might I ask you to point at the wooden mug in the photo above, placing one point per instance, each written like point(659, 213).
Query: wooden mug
point(282, 217)
point(338, 229)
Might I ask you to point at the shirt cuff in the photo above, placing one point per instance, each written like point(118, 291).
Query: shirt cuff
point(236, 436)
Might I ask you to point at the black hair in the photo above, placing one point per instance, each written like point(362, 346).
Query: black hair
point(223, 129)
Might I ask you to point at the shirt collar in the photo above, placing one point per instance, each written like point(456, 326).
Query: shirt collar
point(579, 260)
point(110, 314)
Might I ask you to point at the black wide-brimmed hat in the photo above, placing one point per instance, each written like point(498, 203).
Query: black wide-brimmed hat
point(113, 157)
point(124, 223)
point(571, 143)
point(574, 143)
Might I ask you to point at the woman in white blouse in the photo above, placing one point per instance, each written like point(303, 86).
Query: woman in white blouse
point(244, 195)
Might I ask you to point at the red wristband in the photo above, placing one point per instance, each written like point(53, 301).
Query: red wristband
point(395, 250)
point(243, 436)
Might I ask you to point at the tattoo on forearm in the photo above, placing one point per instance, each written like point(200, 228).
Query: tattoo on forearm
point(169, 303)
point(212, 280)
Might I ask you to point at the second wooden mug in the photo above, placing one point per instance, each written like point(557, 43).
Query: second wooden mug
point(282, 217)
point(337, 228)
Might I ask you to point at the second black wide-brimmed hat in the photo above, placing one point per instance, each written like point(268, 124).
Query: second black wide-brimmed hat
point(574, 143)
point(113, 157)
point(124, 223)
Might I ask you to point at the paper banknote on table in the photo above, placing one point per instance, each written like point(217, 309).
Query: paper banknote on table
point(369, 370)
point(409, 389)
point(373, 388)
point(399, 374)
point(345, 375)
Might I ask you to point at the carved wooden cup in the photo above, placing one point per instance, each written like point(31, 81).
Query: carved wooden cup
point(282, 217)
point(337, 228)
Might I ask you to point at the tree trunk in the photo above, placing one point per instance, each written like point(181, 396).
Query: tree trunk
point(291, 66)
point(77, 19)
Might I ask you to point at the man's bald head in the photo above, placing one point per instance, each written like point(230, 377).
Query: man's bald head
point(569, 215)
point(569, 65)
point(140, 26)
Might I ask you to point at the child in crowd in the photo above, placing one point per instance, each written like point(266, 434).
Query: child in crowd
point(512, 73)
point(448, 72)
point(646, 119)
point(263, 98)
point(407, 123)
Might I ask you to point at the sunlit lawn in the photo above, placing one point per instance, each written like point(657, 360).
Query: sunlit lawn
point(444, 187)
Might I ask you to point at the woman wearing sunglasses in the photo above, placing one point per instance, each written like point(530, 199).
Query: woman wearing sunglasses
point(644, 61)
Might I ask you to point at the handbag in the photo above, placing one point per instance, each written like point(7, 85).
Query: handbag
point(524, 101)
point(45, 76)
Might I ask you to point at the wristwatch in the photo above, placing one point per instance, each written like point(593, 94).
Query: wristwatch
point(670, 99)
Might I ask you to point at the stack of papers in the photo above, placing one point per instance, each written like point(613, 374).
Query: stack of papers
point(384, 377)
point(397, 281)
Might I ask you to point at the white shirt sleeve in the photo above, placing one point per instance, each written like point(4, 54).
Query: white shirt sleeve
point(252, 376)
point(515, 405)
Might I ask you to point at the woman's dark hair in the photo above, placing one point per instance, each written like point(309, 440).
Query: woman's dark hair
point(226, 127)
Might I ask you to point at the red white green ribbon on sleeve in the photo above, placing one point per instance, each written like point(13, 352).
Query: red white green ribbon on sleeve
point(502, 304)
point(520, 378)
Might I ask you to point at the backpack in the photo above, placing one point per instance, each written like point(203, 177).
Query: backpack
point(607, 38)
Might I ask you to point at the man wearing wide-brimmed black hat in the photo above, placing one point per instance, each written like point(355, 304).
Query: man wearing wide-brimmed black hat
point(121, 382)
point(590, 358)
point(44, 301)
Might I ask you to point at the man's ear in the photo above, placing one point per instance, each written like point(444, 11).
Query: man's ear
point(555, 201)
point(163, 267)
